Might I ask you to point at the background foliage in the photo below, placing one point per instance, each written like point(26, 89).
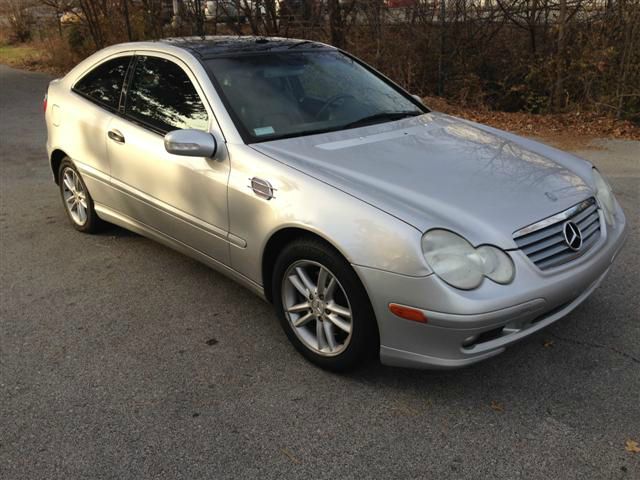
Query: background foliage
point(536, 56)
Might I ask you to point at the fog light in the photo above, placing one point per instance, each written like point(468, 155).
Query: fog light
point(407, 313)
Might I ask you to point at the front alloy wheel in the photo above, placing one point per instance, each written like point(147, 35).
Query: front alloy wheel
point(323, 307)
point(317, 307)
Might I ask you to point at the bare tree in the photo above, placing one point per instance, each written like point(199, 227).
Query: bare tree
point(18, 13)
point(526, 14)
point(153, 17)
point(194, 14)
point(59, 7)
point(532, 55)
point(339, 13)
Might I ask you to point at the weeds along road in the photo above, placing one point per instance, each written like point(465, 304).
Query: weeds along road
point(120, 358)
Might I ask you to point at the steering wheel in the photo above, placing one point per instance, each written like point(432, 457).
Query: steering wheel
point(331, 101)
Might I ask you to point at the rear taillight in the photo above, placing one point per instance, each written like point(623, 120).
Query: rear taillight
point(44, 102)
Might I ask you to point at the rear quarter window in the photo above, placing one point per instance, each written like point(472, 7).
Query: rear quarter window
point(103, 84)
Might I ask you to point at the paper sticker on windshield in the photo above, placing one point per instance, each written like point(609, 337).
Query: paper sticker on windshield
point(263, 131)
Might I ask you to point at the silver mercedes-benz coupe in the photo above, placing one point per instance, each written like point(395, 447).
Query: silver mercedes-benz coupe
point(374, 225)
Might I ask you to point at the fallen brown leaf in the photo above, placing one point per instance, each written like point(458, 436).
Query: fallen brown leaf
point(548, 343)
point(498, 407)
point(632, 446)
point(290, 455)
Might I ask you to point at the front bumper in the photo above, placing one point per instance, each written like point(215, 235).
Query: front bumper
point(465, 327)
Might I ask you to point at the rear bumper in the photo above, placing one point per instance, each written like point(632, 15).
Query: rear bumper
point(465, 327)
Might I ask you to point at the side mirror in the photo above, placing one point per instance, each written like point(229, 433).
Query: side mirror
point(190, 143)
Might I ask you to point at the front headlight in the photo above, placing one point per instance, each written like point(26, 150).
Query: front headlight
point(605, 197)
point(460, 264)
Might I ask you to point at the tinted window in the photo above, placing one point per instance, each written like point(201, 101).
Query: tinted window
point(162, 97)
point(104, 83)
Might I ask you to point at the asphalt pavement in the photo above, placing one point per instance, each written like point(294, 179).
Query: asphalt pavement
point(120, 358)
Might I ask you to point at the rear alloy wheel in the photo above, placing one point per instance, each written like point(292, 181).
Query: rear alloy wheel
point(323, 307)
point(76, 199)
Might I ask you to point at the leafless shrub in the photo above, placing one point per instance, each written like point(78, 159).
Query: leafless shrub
point(18, 16)
point(512, 55)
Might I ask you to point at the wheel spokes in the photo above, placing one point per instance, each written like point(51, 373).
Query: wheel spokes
point(329, 335)
point(322, 341)
point(337, 309)
point(295, 281)
point(76, 182)
point(302, 274)
point(68, 182)
point(303, 320)
point(82, 213)
point(311, 292)
point(322, 280)
point(74, 196)
point(330, 290)
point(340, 323)
point(299, 307)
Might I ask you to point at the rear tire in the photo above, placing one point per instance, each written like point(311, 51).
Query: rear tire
point(323, 307)
point(76, 199)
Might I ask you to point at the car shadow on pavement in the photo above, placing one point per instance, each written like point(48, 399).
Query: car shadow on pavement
point(111, 230)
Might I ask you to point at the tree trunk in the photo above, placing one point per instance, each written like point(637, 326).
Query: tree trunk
point(443, 36)
point(558, 94)
point(176, 13)
point(199, 17)
point(532, 39)
point(336, 29)
point(93, 18)
point(271, 20)
point(127, 20)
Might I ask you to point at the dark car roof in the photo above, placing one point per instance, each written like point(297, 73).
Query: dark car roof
point(215, 46)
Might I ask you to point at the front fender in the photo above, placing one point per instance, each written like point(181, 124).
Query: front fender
point(365, 235)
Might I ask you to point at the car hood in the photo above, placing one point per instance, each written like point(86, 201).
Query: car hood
point(438, 171)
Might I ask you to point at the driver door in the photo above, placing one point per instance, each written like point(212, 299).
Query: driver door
point(183, 198)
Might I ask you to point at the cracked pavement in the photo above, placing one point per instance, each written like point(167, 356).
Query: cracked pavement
point(120, 358)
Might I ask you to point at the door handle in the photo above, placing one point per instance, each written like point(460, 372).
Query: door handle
point(116, 136)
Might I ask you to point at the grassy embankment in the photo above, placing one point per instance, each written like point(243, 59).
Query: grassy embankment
point(19, 56)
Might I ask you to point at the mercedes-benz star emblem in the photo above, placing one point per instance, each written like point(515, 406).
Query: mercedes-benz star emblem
point(572, 236)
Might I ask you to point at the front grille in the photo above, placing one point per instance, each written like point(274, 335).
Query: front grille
point(544, 243)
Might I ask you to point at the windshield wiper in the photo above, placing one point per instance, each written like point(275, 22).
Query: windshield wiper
point(382, 117)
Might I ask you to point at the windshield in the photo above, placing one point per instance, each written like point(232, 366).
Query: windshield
point(280, 95)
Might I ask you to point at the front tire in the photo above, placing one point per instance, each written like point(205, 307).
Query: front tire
point(323, 307)
point(76, 199)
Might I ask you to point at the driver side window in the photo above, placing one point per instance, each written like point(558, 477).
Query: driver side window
point(162, 97)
